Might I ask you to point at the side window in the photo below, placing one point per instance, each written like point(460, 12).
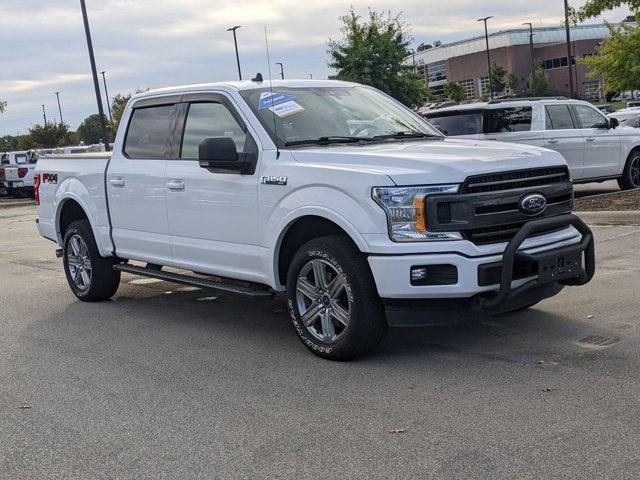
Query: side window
point(516, 119)
point(590, 117)
point(558, 117)
point(206, 120)
point(149, 132)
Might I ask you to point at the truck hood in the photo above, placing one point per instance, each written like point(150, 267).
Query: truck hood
point(430, 161)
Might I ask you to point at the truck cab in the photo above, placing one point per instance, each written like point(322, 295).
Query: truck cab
point(331, 193)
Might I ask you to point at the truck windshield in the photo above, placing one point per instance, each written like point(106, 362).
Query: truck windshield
point(324, 115)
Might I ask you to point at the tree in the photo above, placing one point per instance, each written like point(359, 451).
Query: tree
point(437, 43)
point(513, 82)
point(3, 106)
point(424, 46)
point(618, 59)
point(90, 130)
point(8, 143)
point(593, 8)
point(497, 73)
point(373, 52)
point(49, 135)
point(538, 84)
point(454, 91)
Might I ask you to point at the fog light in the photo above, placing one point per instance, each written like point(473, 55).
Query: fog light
point(418, 274)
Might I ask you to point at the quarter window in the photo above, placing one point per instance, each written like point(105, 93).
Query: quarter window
point(504, 120)
point(206, 120)
point(590, 118)
point(149, 132)
point(558, 117)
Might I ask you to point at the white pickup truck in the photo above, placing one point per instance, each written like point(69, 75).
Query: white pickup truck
point(333, 192)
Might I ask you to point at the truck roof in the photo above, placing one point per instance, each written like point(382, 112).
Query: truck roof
point(244, 85)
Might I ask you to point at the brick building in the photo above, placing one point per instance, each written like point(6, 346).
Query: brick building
point(465, 61)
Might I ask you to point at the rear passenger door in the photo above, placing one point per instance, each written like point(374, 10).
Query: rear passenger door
point(565, 137)
point(136, 185)
point(512, 124)
point(602, 155)
point(212, 214)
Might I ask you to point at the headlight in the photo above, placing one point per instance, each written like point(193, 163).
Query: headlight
point(405, 209)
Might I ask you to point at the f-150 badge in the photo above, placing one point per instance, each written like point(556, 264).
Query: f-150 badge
point(274, 180)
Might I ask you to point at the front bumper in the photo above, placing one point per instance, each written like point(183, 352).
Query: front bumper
point(471, 289)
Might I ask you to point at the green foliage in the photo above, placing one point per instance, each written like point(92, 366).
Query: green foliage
point(513, 82)
point(372, 52)
point(538, 83)
point(9, 143)
point(594, 8)
point(618, 59)
point(90, 130)
point(3, 106)
point(424, 46)
point(498, 72)
point(454, 91)
point(49, 135)
point(118, 105)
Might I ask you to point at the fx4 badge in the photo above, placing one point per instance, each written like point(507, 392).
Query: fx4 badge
point(274, 180)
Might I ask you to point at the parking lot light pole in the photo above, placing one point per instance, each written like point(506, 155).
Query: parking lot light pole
point(281, 70)
point(235, 42)
point(106, 94)
point(533, 62)
point(94, 73)
point(44, 115)
point(486, 38)
point(59, 107)
point(569, 56)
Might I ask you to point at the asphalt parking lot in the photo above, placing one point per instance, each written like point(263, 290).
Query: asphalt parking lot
point(171, 382)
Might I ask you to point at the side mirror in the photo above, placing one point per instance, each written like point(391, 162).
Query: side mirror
point(220, 153)
point(614, 122)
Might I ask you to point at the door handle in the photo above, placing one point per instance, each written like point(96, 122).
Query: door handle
point(590, 139)
point(116, 182)
point(553, 140)
point(176, 185)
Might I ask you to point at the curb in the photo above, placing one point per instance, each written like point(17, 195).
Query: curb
point(18, 203)
point(631, 217)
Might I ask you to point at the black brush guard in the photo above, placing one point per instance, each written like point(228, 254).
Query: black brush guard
point(562, 265)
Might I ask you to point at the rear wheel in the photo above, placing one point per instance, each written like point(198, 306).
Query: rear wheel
point(90, 276)
point(332, 299)
point(631, 175)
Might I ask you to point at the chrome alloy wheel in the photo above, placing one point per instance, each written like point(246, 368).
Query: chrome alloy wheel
point(78, 262)
point(323, 300)
point(635, 171)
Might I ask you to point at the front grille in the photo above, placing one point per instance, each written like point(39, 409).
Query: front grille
point(532, 177)
point(486, 210)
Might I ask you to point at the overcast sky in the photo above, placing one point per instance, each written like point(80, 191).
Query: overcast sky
point(157, 43)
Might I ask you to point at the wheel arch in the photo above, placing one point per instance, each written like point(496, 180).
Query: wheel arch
point(306, 227)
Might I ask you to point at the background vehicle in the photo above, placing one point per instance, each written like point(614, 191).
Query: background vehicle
point(627, 117)
point(17, 172)
point(594, 148)
point(332, 192)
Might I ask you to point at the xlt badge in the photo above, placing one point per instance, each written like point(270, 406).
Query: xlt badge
point(270, 180)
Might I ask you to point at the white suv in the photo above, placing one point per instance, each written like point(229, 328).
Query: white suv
point(596, 148)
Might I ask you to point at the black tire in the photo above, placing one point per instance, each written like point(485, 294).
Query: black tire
point(103, 280)
point(367, 325)
point(630, 178)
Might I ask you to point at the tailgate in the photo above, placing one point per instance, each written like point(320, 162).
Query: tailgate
point(11, 173)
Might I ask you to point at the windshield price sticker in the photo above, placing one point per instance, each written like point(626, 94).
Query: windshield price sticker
point(281, 104)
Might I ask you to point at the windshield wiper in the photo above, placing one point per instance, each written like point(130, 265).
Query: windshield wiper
point(328, 140)
point(405, 134)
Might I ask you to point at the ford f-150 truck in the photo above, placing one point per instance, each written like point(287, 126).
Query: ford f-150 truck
point(333, 192)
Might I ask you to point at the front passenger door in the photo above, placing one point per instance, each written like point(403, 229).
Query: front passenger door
point(602, 144)
point(212, 215)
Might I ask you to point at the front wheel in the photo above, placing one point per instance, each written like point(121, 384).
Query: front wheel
point(631, 175)
point(333, 301)
point(90, 276)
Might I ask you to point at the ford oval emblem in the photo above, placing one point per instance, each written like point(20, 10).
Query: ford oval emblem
point(533, 204)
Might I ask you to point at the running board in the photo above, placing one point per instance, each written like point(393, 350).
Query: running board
point(256, 293)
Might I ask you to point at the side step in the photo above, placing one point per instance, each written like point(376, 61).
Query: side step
point(256, 293)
